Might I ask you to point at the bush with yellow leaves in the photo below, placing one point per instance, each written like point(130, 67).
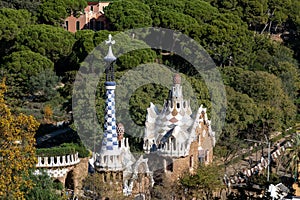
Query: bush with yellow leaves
point(17, 151)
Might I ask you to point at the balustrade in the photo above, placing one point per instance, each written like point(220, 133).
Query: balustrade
point(58, 161)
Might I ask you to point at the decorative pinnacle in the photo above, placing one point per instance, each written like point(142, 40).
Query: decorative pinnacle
point(110, 56)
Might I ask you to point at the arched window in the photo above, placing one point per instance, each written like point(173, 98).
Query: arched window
point(77, 25)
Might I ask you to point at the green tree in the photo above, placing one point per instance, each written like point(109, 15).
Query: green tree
point(200, 10)
point(53, 42)
point(276, 110)
point(267, 15)
point(279, 60)
point(126, 14)
point(175, 21)
point(12, 22)
point(30, 5)
point(242, 112)
point(44, 85)
point(84, 44)
point(22, 66)
point(54, 12)
point(202, 184)
point(43, 188)
point(227, 40)
point(178, 6)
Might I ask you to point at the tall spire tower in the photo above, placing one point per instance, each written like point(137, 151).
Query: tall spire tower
point(110, 152)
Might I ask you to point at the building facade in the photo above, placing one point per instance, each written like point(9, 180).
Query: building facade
point(92, 17)
point(172, 134)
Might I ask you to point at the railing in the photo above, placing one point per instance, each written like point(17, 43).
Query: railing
point(237, 179)
point(58, 161)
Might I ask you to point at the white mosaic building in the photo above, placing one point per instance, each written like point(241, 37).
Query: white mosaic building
point(171, 131)
point(174, 141)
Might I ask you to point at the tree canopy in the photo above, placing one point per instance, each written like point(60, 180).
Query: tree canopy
point(53, 42)
point(19, 67)
point(53, 12)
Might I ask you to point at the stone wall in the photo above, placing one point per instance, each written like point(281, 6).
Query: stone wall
point(191, 162)
point(206, 141)
point(185, 164)
point(142, 185)
point(76, 173)
point(112, 184)
point(80, 171)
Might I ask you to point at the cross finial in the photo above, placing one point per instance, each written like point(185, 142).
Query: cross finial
point(110, 56)
point(110, 41)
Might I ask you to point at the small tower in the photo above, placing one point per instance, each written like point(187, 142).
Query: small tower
point(110, 158)
point(177, 88)
point(120, 131)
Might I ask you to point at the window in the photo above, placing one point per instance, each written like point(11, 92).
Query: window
point(67, 25)
point(99, 25)
point(78, 25)
point(201, 155)
point(92, 24)
point(191, 161)
point(92, 8)
point(207, 156)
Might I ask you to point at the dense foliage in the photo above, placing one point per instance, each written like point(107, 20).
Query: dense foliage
point(203, 183)
point(255, 45)
point(44, 188)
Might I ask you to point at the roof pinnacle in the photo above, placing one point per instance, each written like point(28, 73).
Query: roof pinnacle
point(110, 56)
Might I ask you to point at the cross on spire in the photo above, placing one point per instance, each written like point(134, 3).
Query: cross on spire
point(110, 58)
point(109, 41)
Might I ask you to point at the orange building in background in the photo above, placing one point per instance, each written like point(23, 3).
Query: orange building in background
point(91, 18)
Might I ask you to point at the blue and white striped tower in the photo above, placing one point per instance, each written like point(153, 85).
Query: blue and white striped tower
point(110, 137)
point(110, 155)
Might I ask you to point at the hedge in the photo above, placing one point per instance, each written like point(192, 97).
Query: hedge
point(64, 149)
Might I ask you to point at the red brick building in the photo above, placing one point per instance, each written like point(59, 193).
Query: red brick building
point(91, 18)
